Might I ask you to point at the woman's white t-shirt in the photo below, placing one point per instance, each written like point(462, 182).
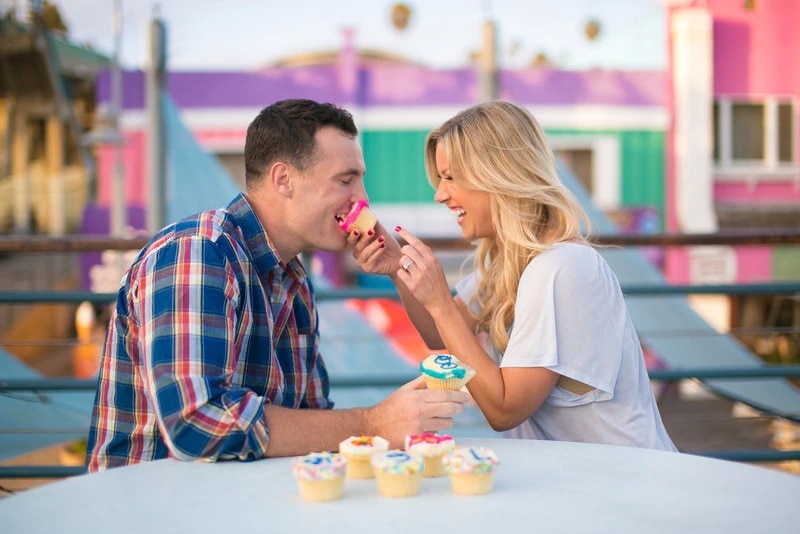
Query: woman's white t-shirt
point(570, 317)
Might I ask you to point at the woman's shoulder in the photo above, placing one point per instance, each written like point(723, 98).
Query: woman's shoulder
point(567, 259)
point(565, 254)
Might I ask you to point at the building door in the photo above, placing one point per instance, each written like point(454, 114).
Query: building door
point(580, 162)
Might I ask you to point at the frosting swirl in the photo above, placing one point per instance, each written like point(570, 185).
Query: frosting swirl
point(363, 445)
point(397, 462)
point(467, 460)
point(444, 366)
point(429, 444)
point(319, 466)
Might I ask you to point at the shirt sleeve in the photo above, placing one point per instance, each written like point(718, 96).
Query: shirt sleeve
point(185, 307)
point(563, 320)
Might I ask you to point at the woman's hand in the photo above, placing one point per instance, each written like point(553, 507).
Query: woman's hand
point(376, 253)
point(422, 274)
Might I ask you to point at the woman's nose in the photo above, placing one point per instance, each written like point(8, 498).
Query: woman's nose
point(441, 194)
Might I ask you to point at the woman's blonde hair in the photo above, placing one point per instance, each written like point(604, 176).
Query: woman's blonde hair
point(498, 147)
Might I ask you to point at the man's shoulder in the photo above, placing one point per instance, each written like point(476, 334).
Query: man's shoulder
point(211, 225)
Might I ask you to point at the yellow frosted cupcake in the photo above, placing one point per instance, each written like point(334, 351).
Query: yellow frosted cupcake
point(432, 447)
point(398, 473)
point(358, 450)
point(320, 476)
point(445, 371)
point(471, 469)
point(360, 218)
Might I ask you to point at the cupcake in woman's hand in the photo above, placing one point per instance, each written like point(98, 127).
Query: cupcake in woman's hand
point(320, 475)
point(445, 371)
point(432, 447)
point(471, 469)
point(360, 218)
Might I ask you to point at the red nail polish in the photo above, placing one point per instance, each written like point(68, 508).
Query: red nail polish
point(355, 233)
point(397, 228)
point(380, 239)
point(370, 232)
point(383, 245)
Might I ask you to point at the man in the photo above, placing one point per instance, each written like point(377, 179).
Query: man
point(212, 349)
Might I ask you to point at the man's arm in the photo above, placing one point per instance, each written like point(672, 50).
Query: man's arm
point(185, 306)
point(189, 334)
point(411, 409)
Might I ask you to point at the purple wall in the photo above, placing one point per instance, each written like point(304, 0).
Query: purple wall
point(393, 85)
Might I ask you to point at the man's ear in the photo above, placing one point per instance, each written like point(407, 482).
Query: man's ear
point(281, 178)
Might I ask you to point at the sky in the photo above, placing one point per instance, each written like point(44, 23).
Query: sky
point(249, 34)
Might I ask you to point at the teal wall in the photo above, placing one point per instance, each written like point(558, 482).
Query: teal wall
point(395, 167)
point(395, 170)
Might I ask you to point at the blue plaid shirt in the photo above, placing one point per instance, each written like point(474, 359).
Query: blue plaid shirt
point(207, 327)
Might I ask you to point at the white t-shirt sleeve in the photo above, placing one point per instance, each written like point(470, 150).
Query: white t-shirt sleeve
point(566, 319)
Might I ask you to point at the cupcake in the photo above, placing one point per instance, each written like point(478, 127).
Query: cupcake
point(398, 473)
point(358, 450)
point(471, 469)
point(432, 447)
point(320, 475)
point(445, 371)
point(359, 218)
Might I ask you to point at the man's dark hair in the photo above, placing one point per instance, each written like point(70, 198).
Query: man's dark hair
point(284, 131)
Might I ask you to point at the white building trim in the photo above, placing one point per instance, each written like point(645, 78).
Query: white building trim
point(692, 52)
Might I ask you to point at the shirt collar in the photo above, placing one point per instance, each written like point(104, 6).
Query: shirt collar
point(259, 244)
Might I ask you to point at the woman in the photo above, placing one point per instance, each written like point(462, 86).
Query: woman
point(541, 318)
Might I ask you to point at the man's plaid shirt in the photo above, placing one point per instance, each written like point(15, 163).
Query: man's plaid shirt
point(207, 327)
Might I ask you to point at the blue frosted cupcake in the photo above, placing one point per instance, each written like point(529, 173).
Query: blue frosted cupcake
point(445, 371)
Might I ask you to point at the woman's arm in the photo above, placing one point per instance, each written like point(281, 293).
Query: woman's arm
point(506, 396)
point(380, 254)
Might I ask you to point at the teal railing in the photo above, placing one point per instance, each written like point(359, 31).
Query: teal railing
point(89, 244)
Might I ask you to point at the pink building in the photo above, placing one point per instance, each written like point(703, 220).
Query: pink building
point(733, 148)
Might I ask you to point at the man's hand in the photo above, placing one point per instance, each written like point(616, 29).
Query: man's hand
point(414, 409)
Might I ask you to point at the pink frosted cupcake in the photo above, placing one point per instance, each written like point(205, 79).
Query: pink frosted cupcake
point(432, 447)
point(359, 218)
point(320, 476)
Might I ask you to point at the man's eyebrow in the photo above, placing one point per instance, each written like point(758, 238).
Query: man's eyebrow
point(351, 172)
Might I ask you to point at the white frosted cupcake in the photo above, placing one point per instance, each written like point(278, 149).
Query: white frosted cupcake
point(358, 450)
point(471, 469)
point(398, 473)
point(432, 447)
point(445, 371)
point(320, 475)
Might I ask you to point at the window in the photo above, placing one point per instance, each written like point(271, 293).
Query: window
point(785, 133)
point(748, 132)
point(755, 136)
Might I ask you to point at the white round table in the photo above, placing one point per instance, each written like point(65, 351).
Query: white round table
point(539, 487)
